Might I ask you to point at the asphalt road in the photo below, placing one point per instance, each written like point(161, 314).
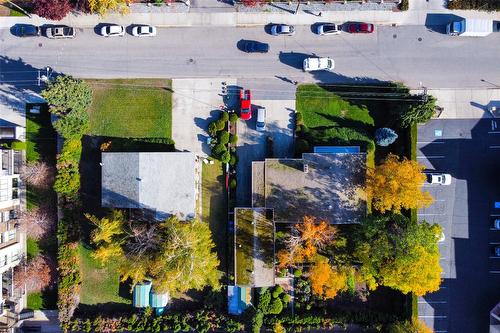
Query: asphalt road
point(409, 54)
point(468, 150)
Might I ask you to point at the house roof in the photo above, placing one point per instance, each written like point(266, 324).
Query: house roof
point(327, 186)
point(254, 247)
point(162, 182)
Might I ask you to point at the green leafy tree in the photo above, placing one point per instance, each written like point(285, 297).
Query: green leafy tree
point(177, 255)
point(66, 94)
point(418, 113)
point(398, 253)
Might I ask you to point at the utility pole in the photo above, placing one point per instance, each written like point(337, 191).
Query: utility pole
point(44, 77)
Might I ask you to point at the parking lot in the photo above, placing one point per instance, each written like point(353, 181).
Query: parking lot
point(252, 144)
point(468, 149)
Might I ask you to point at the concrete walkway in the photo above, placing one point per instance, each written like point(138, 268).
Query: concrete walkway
point(466, 103)
point(430, 14)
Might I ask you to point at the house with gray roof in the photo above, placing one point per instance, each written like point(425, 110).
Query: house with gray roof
point(165, 183)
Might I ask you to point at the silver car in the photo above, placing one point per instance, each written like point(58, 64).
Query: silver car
point(60, 32)
point(282, 29)
point(328, 29)
point(112, 30)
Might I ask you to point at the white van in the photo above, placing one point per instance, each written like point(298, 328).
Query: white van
point(261, 120)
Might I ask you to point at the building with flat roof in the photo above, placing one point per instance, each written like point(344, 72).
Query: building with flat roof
point(325, 185)
point(166, 183)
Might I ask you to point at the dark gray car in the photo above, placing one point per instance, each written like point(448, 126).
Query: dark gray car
point(26, 30)
point(252, 46)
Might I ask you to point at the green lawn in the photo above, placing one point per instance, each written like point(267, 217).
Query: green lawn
point(331, 120)
point(99, 284)
point(35, 301)
point(214, 209)
point(322, 108)
point(40, 137)
point(139, 108)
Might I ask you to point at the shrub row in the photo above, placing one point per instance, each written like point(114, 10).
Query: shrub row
point(67, 182)
point(366, 318)
point(69, 271)
point(221, 137)
point(200, 321)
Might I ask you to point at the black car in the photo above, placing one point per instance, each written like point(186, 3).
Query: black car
point(252, 46)
point(26, 30)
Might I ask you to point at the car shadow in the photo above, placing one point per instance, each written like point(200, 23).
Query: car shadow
point(294, 59)
point(129, 28)
point(267, 28)
point(437, 22)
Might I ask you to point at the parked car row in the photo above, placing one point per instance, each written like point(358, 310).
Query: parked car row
point(325, 28)
point(64, 31)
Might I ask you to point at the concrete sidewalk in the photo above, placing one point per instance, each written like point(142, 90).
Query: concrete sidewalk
point(418, 15)
point(465, 103)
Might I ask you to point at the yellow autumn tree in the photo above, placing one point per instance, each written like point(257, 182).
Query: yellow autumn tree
point(101, 7)
point(397, 184)
point(326, 282)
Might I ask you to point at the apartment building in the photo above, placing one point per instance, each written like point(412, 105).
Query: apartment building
point(12, 241)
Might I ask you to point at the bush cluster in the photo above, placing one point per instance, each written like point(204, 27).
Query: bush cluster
point(67, 182)
point(218, 132)
point(199, 321)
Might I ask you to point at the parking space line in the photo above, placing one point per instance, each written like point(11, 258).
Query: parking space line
point(494, 243)
point(494, 147)
point(493, 132)
point(436, 317)
point(431, 156)
point(494, 214)
point(495, 272)
point(494, 257)
point(429, 142)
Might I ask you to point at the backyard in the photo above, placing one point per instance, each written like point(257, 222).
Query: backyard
point(214, 204)
point(100, 284)
point(138, 108)
point(40, 146)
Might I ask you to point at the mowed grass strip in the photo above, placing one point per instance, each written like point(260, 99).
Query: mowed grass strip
point(214, 209)
point(99, 284)
point(139, 108)
point(321, 108)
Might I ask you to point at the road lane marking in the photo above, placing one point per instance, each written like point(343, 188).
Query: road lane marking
point(429, 316)
point(494, 132)
point(495, 272)
point(432, 302)
point(494, 147)
point(494, 243)
point(431, 156)
point(494, 257)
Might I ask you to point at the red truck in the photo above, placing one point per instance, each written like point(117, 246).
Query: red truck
point(245, 104)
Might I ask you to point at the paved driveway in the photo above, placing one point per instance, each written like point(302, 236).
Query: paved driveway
point(252, 144)
point(468, 149)
point(195, 103)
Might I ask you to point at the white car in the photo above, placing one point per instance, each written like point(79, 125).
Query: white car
point(318, 64)
point(112, 30)
point(441, 179)
point(328, 29)
point(144, 31)
point(261, 120)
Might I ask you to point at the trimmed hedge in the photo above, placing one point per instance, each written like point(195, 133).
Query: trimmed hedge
point(474, 4)
point(199, 321)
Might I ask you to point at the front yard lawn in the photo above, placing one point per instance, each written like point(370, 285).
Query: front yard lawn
point(99, 284)
point(214, 209)
point(138, 108)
